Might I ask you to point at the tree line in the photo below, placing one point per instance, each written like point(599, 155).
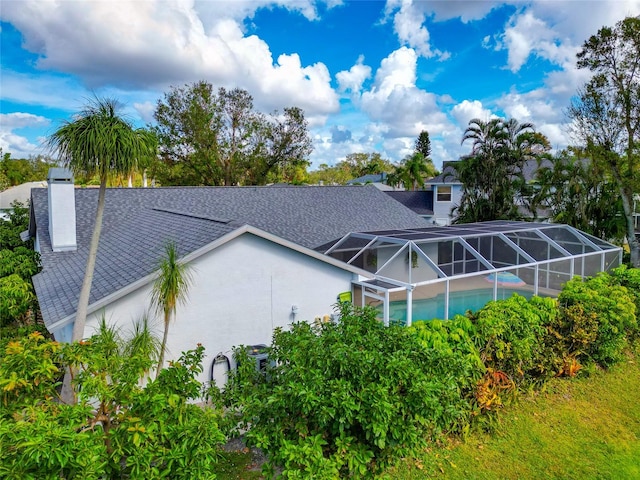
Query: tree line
point(203, 136)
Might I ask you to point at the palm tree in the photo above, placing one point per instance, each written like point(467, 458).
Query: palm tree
point(169, 289)
point(99, 142)
point(418, 168)
point(492, 174)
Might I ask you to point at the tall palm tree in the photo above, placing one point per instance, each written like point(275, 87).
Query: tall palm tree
point(418, 168)
point(492, 174)
point(169, 289)
point(99, 142)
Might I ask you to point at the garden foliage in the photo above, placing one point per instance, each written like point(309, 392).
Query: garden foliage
point(455, 360)
point(17, 264)
point(124, 424)
point(342, 399)
point(601, 305)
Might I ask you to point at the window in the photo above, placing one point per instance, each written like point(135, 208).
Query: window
point(444, 194)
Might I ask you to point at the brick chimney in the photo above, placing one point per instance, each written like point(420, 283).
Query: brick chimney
point(62, 210)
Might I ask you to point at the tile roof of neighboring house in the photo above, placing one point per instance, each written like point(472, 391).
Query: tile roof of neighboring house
point(420, 201)
point(20, 193)
point(139, 221)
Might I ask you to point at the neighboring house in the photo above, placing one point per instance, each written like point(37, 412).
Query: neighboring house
point(19, 193)
point(440, 195)
point(252, 251)
point(447, 193)
point(378, 180)
point(444, 193)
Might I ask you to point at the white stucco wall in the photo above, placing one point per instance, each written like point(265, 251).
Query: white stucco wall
point(241, 291)
point(442, 210)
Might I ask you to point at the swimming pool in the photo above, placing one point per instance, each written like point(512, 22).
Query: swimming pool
point(459, 303)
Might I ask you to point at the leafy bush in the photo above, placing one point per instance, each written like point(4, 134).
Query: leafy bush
point(21, 261)
point(610, 306)
point(509, 333)
point(124, 425)
point(341, 399)
point(16, 298)
point(630, 279)
point(455, 361)
point(11, 229)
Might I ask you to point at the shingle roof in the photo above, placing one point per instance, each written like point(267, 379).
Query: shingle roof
point(139, 221)
point(420, 201)
point(448, 176)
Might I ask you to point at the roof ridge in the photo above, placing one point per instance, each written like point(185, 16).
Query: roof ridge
point(192, 215)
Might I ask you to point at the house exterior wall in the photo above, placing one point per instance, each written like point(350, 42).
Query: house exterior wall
point(442, 210)
point(240, 292)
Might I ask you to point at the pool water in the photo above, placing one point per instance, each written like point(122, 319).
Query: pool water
point(459, 303)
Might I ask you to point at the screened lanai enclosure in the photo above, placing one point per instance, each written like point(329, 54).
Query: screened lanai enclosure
point(438, 272)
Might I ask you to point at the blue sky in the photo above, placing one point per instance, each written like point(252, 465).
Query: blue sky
point(370, 75)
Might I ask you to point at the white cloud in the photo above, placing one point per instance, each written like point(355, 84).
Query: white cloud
point(18, 145)
point(353, 79)
point(395, 100)
point(468, 110)
point(408, 23)
point(556, 30)
point(153, 44)
point(145, 110)
point(465, 10)
point(529, 35)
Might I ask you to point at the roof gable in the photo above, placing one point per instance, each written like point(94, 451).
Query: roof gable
point(138, 222)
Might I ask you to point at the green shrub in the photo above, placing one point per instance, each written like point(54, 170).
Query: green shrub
point(611, 306)
point(16, 298)
point(630, 279)
point(342, 399)
point(120, 427)
point(21, 261)
point(455, 361)
point(509, 334)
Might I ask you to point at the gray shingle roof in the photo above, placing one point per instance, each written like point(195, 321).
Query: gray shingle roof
point(420, 201)
point(448, 176)
point(139, 221)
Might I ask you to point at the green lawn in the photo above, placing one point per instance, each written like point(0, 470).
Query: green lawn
point(584, 428)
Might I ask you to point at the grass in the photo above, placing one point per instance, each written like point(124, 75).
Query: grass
point(585, 428)
point(237, 465)
point(581, 428)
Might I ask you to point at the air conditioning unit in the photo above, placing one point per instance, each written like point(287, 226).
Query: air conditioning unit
point(258, 355)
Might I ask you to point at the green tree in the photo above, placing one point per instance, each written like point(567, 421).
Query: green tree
point(209, 138)
point(99, 142)
point(492, 173)
point(423, 144)
point(578, 191)
point(15, 171)
point(418, 168)
point(169, 289)
point(606, 112)
point(353, 166)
